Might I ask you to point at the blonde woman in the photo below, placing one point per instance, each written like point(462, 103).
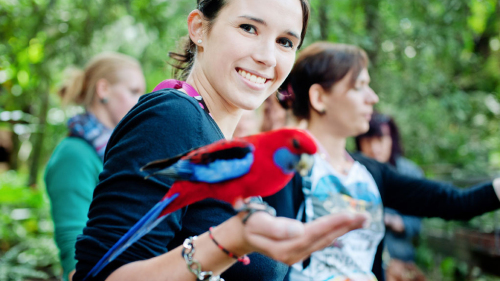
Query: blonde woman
point(108, 87)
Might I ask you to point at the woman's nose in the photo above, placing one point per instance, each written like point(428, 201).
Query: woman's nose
point(372, 97)
point(265, 53)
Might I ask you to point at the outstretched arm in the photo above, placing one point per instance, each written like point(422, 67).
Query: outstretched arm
point(426, 198)
point(282, 239)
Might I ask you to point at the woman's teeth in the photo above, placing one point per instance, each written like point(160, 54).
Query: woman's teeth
point(251, 77)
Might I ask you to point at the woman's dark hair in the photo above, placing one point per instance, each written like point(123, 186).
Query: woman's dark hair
point(378, 125)
point(210, 10)
point(321, 63)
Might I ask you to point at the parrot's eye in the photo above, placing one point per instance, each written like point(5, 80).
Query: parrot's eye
point(296, 144)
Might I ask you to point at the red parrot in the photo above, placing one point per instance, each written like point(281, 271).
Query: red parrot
point(227, 170)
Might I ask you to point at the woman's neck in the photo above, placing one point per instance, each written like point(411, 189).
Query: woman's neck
point(102, 114)
point(333, 145)
point(225, 115)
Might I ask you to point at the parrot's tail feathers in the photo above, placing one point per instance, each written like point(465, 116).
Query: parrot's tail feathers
point(160, 164)
point(171, 173)
point(141, 228)
point(182, 170)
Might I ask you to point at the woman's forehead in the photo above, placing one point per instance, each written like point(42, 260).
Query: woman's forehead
point(285, 15)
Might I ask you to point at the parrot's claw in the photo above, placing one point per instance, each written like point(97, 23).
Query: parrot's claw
point(255, 205)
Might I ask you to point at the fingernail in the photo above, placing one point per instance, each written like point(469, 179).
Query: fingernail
point(295, 229)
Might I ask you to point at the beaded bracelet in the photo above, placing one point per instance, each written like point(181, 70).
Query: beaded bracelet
point(193, 265)
point(244, 259)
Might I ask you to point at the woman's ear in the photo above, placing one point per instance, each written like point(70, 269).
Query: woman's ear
point(316, 98)
point(102, 89)
point(196, 28)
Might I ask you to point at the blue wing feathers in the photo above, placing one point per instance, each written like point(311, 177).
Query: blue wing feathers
point(216, 171)
point(222, 170)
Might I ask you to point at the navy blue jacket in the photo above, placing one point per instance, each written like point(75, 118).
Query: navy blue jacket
point(163, 124)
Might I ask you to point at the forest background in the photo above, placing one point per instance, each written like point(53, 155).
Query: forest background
point(434, 63)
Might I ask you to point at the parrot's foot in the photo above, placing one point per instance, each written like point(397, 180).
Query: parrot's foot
point(255, 204)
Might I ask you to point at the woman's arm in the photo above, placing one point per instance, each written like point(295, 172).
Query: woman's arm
point(70, 178)
point(282, 239)
point(426, 198)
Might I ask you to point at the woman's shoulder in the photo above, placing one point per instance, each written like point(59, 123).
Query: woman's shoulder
point(167, 114)
point(73, 148)
point(163, 124)
point(407, 167)
point(73, 159)
point(368, 162)
point(167, 108)
point(174, 100)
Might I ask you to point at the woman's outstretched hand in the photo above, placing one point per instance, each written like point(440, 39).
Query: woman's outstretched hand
point(290, 241)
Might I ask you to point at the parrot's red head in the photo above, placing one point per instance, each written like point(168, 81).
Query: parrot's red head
point(291, 149)
point(298, 141)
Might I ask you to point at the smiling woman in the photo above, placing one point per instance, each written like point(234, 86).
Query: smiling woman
point(239, 52)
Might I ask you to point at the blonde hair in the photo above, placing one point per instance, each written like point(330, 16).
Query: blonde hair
point(80, 85)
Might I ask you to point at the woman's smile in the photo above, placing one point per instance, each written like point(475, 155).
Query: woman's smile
point(252, 79)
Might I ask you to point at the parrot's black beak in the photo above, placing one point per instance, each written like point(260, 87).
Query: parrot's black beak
point(305, 164)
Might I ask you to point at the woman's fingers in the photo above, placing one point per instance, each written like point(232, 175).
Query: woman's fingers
point(274, 227)
point(290, 241)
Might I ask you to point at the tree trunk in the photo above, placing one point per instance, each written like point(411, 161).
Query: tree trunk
point(39, 136)
point(372, 26)
point(14, 152)
point(324, 23)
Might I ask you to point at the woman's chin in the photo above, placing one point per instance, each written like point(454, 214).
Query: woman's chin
point(363, 129)
point(359, 131)
point(251, 104)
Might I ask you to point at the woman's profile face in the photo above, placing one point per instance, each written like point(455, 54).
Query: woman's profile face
point(124, 94)
point(349, 109)
point(250, 49)
point(378, 148)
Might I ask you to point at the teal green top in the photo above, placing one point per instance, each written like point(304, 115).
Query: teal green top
point(71, 176)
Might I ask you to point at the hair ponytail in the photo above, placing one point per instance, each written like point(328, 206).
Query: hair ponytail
point(72, 89)
point(184, 61)
point(80, 86)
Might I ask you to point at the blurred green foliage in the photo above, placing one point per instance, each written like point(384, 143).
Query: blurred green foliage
point(27, 249)
point(436, 68)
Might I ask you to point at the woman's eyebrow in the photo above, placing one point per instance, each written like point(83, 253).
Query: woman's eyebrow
point(263, 22)
point(291, 33)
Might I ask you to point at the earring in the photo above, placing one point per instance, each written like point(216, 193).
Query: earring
point(104, 100)
point(322, 111)
point(200, 41)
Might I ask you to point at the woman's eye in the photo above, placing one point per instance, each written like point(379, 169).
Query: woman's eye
point(248, 28)
point(287, 43)
point(360, 86)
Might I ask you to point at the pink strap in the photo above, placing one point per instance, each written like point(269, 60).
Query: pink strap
point(176, 84)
